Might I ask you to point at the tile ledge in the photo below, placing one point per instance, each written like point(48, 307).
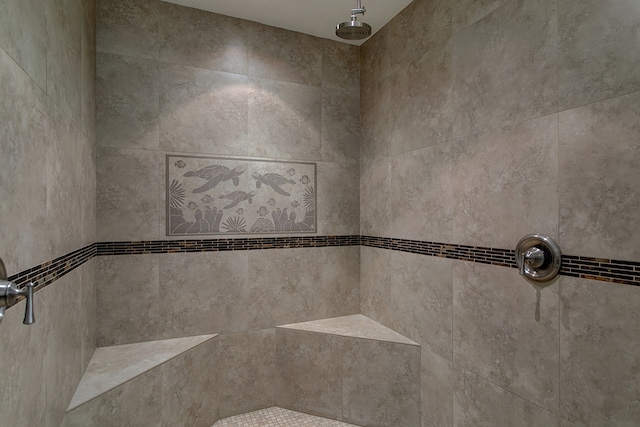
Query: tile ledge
point(110, 367)
point(352, 326)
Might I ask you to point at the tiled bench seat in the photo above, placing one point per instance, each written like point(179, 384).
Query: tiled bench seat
point(350, 369)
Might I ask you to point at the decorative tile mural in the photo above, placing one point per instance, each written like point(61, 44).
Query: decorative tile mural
point(222, 195)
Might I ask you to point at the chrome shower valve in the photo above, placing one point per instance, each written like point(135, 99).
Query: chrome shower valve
point(538, 257)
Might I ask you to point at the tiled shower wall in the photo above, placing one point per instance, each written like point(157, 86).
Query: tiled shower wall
point(176, 80)
point(47, 193)
point(483, 122)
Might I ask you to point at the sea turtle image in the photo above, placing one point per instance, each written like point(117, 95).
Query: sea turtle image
point(273, 180)
point(236, 197)
point(216, 174)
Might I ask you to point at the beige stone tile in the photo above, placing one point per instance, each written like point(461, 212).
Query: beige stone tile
point(88, 71)
point(261, 367)
point(285, 120)
point(341, 280)
point(505, 184)
point(491, 92)
point(599, 163)
point(127, 110)
point(128, 27)
point(375, 197)
point(468, 12)
point(128, 299)
point(62, 345)
point(381, 384)
point(134, 404)
point(203, 39)
point(597, 47)
point(565, 423)
point(64, 178)
point(421, 26)
point(375, 62)
point(113, 366)
point(87, 316)
point(375, 283)
point(128, 202)
point(233, 357)
point(506, 331)
point(204, 293)
point(436, 390)
point(352, 326)
point(479, 402)
point(376, 120)
point(285, 55)
point(421, 194)
point(23, 348)
point(599, 347)
point(422, 101)
point(64, 56)
point(309, 373)
point(24, 134)
point(340, 125)
point(247, 371)
point(23, 35)
point(340, 65)
point(203, 111)
point(338, 199)
point(89, 13)
point(88, 191)
point(190, 387)
point(421, 288)
point(283, 286)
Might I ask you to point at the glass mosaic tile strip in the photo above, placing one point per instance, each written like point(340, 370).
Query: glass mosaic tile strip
point(601, 269)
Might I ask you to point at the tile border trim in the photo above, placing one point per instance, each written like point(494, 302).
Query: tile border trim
point(601, 269)
point(45, 274)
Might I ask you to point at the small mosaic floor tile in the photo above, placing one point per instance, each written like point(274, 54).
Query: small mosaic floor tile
point(278, 417)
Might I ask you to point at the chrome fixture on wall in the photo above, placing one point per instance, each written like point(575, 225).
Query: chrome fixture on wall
point(538, 257)
point(11, 295)
point(354, 30)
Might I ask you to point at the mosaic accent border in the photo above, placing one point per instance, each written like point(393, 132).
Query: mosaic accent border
point(601, 269)
point(482, 255)
point(215, 245)
point(44, 274)
point(604, 270)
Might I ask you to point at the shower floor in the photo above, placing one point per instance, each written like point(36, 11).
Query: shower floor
point(278, 417)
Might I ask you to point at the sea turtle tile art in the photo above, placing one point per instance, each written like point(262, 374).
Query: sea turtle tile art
point(222, 195)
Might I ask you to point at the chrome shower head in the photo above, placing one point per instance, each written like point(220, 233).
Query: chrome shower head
point(354, 30)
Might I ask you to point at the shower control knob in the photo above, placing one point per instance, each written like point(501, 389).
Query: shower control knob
point(538, 257)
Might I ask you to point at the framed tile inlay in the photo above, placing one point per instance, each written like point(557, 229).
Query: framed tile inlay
point(223, 195)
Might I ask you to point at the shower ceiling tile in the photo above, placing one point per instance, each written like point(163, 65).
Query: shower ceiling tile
point(317, 18)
